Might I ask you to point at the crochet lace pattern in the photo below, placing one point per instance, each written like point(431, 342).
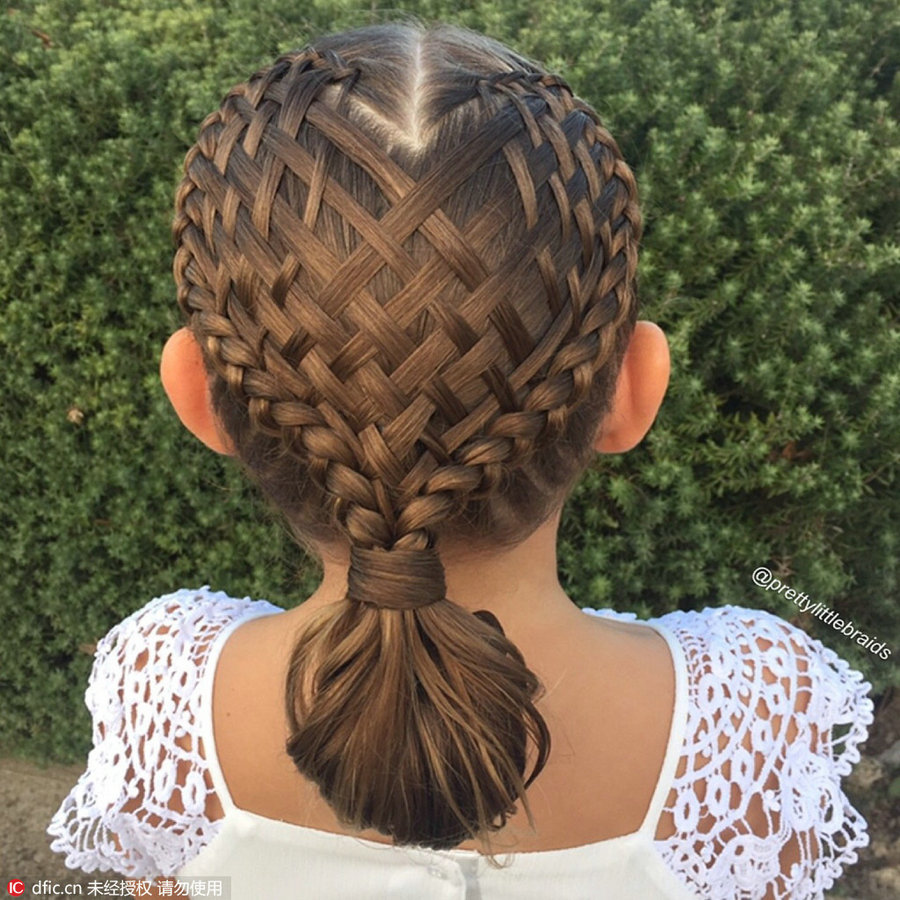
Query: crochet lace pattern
point(759, 776)
point(757, 783)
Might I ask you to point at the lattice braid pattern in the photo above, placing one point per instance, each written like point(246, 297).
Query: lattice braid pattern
point(312, 372)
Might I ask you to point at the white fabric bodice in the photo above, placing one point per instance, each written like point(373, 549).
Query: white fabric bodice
point(745, 681)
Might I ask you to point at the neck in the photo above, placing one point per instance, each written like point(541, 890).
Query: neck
point(519, 585)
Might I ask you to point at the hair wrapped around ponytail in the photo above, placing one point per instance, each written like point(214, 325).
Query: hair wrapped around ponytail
point(418, 715)
point(409, 257)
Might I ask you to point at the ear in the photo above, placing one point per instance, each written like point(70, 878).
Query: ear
point(640, 388)
point(186, 384)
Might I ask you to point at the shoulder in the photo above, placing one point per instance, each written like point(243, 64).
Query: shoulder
point(139, 807)
point(170, 634)
point(762, 748)
point(774, 678)
point(763, 654)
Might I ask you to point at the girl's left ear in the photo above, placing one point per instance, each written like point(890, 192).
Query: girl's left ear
point(186, 384)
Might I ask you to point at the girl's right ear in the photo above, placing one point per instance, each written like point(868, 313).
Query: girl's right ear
point(186, 384)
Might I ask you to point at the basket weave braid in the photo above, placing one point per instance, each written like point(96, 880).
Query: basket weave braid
point(372, 337)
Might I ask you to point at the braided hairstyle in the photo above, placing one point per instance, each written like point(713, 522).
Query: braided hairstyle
point(409, 257)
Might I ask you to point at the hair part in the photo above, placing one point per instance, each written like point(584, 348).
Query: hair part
point(410, 257)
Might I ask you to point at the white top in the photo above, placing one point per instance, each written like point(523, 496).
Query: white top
point(742, 677)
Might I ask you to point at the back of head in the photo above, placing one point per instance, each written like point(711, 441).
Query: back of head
point(409, 257)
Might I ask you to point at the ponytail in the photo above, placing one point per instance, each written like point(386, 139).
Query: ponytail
point(411, 714)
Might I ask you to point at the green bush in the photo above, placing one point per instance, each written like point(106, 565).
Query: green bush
point(765, 140)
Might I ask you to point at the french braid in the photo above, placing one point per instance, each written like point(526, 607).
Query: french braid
point(413, 317)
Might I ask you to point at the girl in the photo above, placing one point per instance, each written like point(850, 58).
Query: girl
point(406, 258)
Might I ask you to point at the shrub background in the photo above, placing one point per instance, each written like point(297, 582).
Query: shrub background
point(764, 136)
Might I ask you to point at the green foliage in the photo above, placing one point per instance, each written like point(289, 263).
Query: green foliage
point(764, 136)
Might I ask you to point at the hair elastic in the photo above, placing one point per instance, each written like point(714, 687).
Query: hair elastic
point(395, 579)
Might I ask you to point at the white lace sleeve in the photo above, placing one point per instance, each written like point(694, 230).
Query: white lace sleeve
point(139, 809)
point(756, 809)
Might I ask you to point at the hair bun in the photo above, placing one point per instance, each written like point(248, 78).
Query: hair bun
point(395, 579)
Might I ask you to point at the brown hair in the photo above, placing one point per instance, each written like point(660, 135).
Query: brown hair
point(409, 257)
